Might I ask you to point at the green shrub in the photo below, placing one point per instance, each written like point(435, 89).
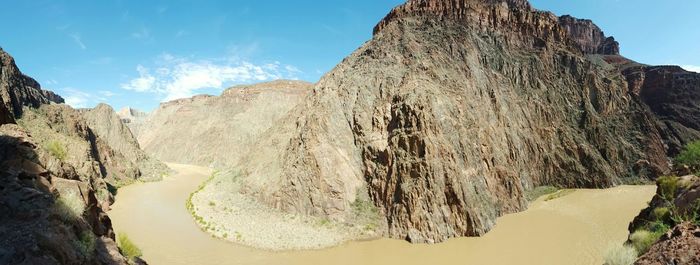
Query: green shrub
point(87, 243)
point(558, 194)
point(690, 155)
point(643, 239)
point(128, 248)
point(69, 206)
point(661, 213)
point(364, 208)
point(540, 191)
point(56, 149)
point(692, 214)
point(668, 186)
point(620, 255)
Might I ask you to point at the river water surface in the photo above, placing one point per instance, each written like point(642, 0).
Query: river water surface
point(574, 229)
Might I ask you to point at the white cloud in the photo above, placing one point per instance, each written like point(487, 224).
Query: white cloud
point(76, 98)
point(107, 93)
point(144, 83)
point(76, 38)
point(692, 68)
point(177, 77)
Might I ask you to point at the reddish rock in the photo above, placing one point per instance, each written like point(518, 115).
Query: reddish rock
point(680, 246)
point(673, 96)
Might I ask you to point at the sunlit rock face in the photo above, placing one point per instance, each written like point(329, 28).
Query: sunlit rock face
point(449, 114)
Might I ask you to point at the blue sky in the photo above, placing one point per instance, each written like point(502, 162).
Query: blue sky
point(140, 53)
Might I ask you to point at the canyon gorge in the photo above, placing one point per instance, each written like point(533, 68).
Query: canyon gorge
point(448, 119)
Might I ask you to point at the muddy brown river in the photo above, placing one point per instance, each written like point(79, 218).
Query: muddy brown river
point(575, 229)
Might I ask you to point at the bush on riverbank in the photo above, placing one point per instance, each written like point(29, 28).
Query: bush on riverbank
point(690, 155)
point(620, 255)
point(643, 239)
point(540, 191)
point(127, 247)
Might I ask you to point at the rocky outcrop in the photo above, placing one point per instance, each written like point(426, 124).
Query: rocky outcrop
point(64, 131)
point(217, 131)
point(680, 246)
point(18, 90)
point(590, 38)
point(53, 179)
point(110, 127)
point(673, 96)
point(676, 204)
point(447, 116)
point(47, 214)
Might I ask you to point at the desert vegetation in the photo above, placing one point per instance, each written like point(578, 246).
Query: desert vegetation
point(128, 248)
point(56, 149)
point(69, 206)
point(86, 244)
point(540, 191)
point(664, 212)
point(620, 255)
point(690, 156)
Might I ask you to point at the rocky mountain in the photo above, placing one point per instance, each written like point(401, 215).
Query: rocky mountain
point(18, 90)
point(110, 127)
point(673, 96)
point(208, 130)
point(133, 118)
point(449, 115)
point(54, 175)
point(590, 38)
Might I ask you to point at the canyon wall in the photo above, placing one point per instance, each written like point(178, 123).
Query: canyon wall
point(449, 114)
point(57, 179)
point(217, 130)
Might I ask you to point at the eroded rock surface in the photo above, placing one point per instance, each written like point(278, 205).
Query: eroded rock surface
point(673, 96)
point(680, 246)
point(448, 115)
point(110, 127)
point(18, 90)
point(590, 38)
point(216, 131)
point(133, 118)
point(53, 179)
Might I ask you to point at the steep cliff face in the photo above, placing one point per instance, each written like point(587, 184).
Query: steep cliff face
point(589, 36)
point(18, 90)
point(208, 130)
point(110, 127)
point(673, 96)
point(448, 115)
point(53, 173)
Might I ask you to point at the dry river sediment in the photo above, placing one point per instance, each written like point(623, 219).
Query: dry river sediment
point(575, 229)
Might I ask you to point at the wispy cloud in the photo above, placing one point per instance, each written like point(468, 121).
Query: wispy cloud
point(78, 40)
point(692, 68)
point(76, 98)
point(178, 77)
point(107, 93)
